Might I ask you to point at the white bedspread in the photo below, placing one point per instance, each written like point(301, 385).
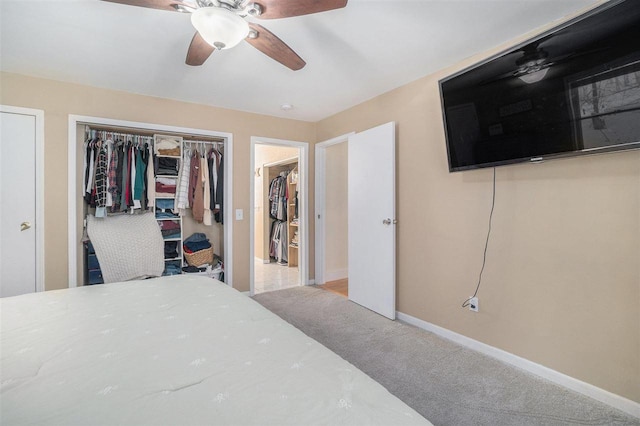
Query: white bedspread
point(174, 350)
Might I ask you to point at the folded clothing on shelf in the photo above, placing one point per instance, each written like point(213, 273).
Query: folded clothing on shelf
point(164, 143)
point(172, 268)
point(164, 203)
point(166, 166)
point(164, 214)
point(170, 233)
point(165, 189)
point(166, 225)
point(175, 152)
point(170, 249)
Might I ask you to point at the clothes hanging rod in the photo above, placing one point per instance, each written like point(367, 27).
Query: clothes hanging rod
point(203, 142)
point(106, 135)
point(134, 131)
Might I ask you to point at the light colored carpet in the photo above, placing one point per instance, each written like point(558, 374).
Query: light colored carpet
point(445, 382)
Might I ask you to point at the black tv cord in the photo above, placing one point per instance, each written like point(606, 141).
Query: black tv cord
point(486, 244)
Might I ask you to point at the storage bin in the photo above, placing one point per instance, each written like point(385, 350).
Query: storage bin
point(201, 257)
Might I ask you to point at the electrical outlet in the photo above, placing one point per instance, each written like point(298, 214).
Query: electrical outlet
point(473, 304)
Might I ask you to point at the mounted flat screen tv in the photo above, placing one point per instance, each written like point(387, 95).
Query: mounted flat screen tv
point(574, 90)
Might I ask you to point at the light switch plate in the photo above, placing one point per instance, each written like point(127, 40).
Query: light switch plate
point(239, 214)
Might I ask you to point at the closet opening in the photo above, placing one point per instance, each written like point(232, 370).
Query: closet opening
point(278, 225)
point(164, 155)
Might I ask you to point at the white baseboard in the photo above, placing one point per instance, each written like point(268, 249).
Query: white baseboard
point(261, 260)
point(336, 274)
point(616, 401)
point(311, 282)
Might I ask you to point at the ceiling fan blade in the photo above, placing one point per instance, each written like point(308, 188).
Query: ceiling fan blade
point(172, 5)
point(272, 46)
point(272, 9)
point(199, 50)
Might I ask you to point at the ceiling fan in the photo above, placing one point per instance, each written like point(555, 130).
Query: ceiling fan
point(221, 24)
point(533, 65)
point(532, 62)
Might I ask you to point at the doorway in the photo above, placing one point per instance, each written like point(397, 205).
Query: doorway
point(370, 212)
point(278, 232)
point(332, 272)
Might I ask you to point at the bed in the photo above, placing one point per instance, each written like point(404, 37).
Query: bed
point(174, 350)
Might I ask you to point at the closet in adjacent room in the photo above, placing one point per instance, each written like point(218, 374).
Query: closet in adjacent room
point(177, 177)
point(280, 215)
point(279, 235)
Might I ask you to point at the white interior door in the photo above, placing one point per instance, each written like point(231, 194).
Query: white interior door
point(372, 235)
point(18, 204)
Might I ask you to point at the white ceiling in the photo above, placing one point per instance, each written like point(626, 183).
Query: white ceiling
point(352, 54)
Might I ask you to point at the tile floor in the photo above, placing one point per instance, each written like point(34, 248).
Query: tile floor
point(271, 276)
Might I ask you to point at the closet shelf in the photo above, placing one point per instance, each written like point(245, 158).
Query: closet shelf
point(167, 176)
point(173, 239)
point(168, 156)
point(170, 197)
point(169, 218)
point(173, 259)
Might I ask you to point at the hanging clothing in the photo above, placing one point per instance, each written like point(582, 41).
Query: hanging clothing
point(144, 154)
point(125, 180)
point(90, 172)
point(278, 198)
point(134, 203)
point(85, 167)
point(219, 206)
point(198, 197)
point(101, 182)
point(213, 160)
point(278, 242)
point(151, 189)
point(138, 187)
point(206, 202)
point(182, 190)
point(115, 174)
point(109, 202)
point(112, 173)
point(193, 176)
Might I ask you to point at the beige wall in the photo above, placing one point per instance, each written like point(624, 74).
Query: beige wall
point(58, 100)
point(336, 212)
point(562, 281)
point(265, 154)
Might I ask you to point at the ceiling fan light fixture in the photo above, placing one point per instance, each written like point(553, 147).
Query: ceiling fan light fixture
point(219, 27)
point(535, 76)
point(183, 8)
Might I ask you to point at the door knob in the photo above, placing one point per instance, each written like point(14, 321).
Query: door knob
point(24, 226)
point(389, 221)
